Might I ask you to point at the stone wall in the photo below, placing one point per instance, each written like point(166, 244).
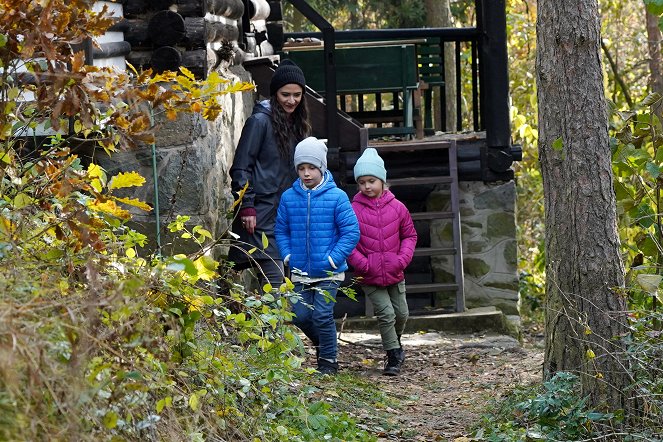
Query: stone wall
point(488, 232)
point(193, 157)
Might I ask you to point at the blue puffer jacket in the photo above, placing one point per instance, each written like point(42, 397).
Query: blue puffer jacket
point(315, 225)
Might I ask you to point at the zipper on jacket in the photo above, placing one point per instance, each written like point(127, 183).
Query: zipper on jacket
point(308, 230)
point(382, 269)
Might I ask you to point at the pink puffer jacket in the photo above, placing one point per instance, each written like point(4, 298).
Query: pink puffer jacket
point(387, 239)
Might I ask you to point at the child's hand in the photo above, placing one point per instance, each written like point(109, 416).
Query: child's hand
point(249, 223)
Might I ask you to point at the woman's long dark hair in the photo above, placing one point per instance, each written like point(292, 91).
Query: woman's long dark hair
point(289, 129)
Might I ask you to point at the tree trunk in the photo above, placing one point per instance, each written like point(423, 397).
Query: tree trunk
point(654, 47)
point(438, 15)
point(585, 306)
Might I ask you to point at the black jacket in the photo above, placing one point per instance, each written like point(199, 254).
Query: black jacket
point(259, 162)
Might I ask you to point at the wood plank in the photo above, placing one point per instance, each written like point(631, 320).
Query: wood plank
point(429, 288)
point(434, 251)
point(418, 216)
point(410, 146)
point(419, 181)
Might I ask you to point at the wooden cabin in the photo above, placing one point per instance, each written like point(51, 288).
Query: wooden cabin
point(375, 88)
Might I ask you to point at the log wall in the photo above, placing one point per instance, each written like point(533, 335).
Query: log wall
point(200, 35)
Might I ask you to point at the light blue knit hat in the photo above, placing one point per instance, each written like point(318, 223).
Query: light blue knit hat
point(312, 151)
point(370, 163)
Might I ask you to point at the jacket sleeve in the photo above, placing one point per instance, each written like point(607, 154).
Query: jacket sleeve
point(348, 227)
point(246, 155)
point(356, 259)
point(408, 236)
point(282, 229)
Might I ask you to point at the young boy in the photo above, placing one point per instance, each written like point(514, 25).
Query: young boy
point(316, 229)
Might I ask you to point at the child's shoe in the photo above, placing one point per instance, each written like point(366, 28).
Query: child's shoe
point(327, 367)
point(395, 360)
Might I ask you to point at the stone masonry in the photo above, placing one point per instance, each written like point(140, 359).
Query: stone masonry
point(488, 234)
point(193, 157)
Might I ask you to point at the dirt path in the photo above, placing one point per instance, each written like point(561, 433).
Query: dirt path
point(446, 381)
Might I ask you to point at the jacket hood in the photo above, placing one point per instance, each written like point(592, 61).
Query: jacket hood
point(326, 184)
point(263, 107)
point(385, 198)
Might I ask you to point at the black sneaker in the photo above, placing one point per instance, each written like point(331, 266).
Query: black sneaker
point(395, 359)
point(327, 367)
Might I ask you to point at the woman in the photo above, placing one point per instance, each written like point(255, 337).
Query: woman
point(264, 164)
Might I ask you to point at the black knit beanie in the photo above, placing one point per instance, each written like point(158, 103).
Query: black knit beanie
point(287, 72)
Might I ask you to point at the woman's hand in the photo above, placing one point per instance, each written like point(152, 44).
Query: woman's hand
point(249, 223)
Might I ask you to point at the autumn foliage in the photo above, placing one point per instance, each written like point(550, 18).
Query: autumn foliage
point(98, 339)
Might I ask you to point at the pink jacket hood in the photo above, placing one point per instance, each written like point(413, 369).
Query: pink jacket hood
point(387, 241)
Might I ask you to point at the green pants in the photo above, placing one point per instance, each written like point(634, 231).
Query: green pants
point(391, 309)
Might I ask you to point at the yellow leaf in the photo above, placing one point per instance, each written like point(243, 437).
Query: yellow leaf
point(193, 401)
point(590, 354)
point(130, 252)
point(6, 227)
point(110, 420)
point(135, 202)
point(22, 200)
point(649, 283)
point(187, 72)
point(96, 185)
point(95, 171)
point(265, 241)
point(109, 207)
point(126, 179)
point(204, 272)
point(240, 195)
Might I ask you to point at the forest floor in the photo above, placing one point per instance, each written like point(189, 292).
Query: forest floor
point(446, 382)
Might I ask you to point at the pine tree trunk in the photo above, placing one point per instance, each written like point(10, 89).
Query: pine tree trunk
point(585, 306)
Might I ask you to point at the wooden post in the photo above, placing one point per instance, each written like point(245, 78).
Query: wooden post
point(494, 83)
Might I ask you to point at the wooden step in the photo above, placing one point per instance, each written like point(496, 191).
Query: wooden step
point(433, 251)
point(429, 288)
point(410, 146)
point(418, 216)
point(419, 181)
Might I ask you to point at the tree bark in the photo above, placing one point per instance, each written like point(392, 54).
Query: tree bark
point(585, 306)
point(654, 48)
point(438, 15)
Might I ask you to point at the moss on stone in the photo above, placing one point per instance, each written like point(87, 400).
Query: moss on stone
point(475, 267)
point(500, 225)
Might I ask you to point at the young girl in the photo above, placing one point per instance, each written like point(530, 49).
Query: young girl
point(316, 229)
point(263, 159)
point(386, 247)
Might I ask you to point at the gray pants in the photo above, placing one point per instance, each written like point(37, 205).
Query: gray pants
point(391, 309)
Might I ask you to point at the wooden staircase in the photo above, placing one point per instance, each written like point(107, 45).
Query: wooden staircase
point(450, 179)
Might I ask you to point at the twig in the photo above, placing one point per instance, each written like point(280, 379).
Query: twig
point(360, 344)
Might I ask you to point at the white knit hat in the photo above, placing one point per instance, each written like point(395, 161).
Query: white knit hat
point(312, 151)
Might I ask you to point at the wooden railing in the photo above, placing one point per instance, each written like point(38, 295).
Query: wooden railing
point(486, 43)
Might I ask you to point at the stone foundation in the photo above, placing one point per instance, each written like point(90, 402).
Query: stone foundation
point(193, 157)
point(488, 232)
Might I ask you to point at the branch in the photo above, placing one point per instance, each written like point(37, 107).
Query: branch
point(618, 77)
